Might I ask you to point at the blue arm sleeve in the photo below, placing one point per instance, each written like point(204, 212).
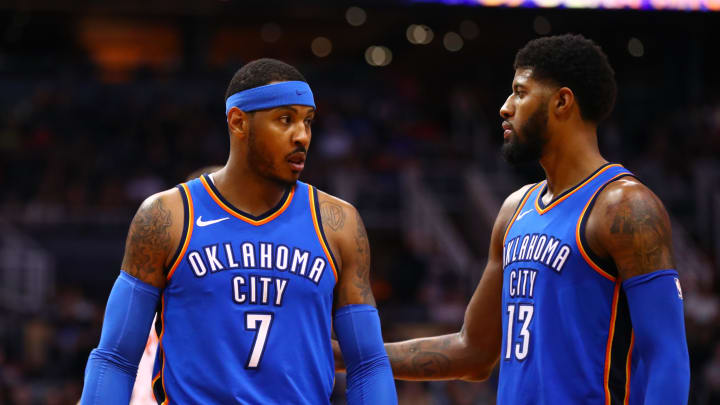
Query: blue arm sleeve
point(369, 376)
point(656, 311)
point(112, 366)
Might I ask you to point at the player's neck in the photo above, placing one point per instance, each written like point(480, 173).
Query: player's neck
point(569, 159)
point(247, 191)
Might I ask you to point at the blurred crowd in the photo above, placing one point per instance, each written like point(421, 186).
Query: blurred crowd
point(78, 155)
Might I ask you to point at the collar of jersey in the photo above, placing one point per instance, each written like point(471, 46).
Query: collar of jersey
point(237, 213)
point(542, 208)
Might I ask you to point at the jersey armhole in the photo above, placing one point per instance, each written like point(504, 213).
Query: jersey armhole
point(317, 222)
point(186, 232)
point(519, 207)
point(606, 267)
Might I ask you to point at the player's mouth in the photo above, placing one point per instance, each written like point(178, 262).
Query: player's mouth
point(507, 127)
point(297, 161)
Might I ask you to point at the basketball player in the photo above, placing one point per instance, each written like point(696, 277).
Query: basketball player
point(579, 301)
point(246, 267)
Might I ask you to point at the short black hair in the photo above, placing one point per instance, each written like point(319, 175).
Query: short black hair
point(575, 62)
point(261, 72)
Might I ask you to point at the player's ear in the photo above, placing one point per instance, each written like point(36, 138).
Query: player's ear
point(563, 102)
point(238, 122)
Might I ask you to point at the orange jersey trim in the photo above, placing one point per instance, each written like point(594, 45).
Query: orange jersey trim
point(519, 208)
point(608, 350)
point(578, 240)
point(160, 339)
point(190, 216)
point(243, 217)
point(541, 211)
point(627, 369)
point(316, 224)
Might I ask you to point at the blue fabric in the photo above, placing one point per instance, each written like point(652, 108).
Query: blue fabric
point(369, 375)
point(271, 96)
point(656, 310)
point(557, 309)
point(249, 306)
point(112, 366)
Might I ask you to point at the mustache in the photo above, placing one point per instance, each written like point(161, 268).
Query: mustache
point(299, 149)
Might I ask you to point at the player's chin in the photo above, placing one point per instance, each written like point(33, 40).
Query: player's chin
point(290, 176)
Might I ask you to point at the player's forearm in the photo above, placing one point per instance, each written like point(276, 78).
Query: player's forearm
point(444, 357)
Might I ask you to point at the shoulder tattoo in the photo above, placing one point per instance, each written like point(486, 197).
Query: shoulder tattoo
point(332, 215)
point(640, 228)
point(149, 240)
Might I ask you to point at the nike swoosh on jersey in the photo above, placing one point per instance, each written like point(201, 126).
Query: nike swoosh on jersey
point(200, 222)
point(522, 214)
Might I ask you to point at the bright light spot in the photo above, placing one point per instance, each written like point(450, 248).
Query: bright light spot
point(636, 48)
point(270, 32)
point(541, 25)
point(378, 56)
point(452, 41)
point(419, 34)
point(469, 29)
point(321, 47)
point(355, 16)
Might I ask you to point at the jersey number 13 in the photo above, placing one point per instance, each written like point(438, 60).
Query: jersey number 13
point(518, 315)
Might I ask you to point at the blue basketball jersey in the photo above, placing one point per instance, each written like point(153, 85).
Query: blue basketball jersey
point(567, 336)
point(245, 317)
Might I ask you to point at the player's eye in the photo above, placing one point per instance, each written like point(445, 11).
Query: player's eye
point(285, 119)
point(309, 121)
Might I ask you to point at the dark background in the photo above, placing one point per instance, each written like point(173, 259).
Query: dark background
point(103, 104)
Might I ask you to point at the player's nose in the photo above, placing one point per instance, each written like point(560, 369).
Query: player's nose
point(302, 136)
point(506, 110)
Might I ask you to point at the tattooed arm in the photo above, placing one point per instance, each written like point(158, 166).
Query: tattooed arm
point(471, 353)
point(630, 226)
point(356, 321)
point(112, 366)
point(349, 243)
point(153, 237)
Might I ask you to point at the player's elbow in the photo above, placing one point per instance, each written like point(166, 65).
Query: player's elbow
point(479, 371)
point(479, 363)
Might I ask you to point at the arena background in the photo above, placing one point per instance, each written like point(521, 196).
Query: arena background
point(103, 103)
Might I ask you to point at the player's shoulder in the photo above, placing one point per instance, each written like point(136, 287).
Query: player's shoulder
point(326, 198)
point(628, 195)
point(631, 225)
point(508, 208)
point(513, 200)
point(167, 200)
point(336, 213)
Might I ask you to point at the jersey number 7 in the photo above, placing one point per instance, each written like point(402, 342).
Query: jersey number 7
point(261, 322)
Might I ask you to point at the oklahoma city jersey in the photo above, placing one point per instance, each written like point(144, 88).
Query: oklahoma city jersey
point(567, 335)
point(245, 317)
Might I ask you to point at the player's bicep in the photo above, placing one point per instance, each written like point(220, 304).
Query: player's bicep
point(354, 280)
point(482, 324)
point(483, 318)
point(635, 230)
point(150, 241)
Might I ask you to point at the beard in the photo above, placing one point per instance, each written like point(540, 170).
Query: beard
point(261, 162)
point(528, 147)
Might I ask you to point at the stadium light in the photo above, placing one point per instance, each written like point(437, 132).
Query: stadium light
point(355, 16)
point(636, 48)
point(321, 47)
point(452, 41)
point(419, 34)
point(378, 56)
